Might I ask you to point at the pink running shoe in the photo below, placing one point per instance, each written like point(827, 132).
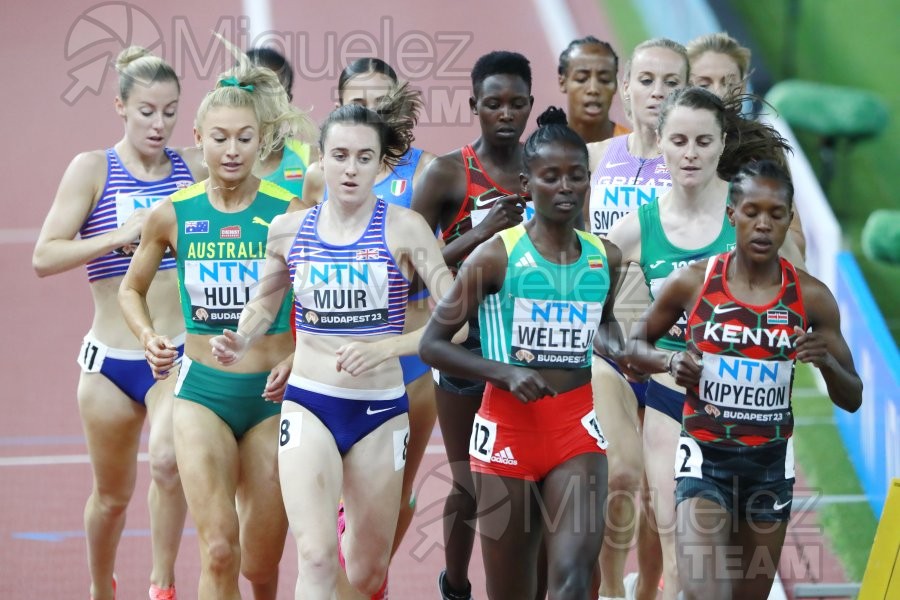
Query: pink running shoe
point(158, 593)
point(341, 526)
point(382, 594)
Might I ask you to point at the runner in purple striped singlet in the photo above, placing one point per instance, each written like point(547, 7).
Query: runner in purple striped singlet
point(344, 425)
point(96, 219)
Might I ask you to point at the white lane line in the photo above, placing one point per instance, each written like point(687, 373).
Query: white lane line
point(259, 13)
point(57, 459)
point(559, 26)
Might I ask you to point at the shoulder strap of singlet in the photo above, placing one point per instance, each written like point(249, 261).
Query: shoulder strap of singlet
point(273, 189)
point(298, 148)
point(512, 236)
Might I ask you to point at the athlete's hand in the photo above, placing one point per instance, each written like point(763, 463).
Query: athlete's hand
point(527, 384)
point(130, 231)
point(276, 383)
point(812, 349)
point(358, 357)
point(506, 212)
point(160, 355)
point(686, 368)
point(229, 347)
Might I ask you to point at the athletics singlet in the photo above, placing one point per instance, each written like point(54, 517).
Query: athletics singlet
point(356, 289)
point(545, 315)
point(481, 193)
point(659, 257)
point(621, 183)
point(290, 171)
point(123, 194)
point(744, 395)
point(221, 257)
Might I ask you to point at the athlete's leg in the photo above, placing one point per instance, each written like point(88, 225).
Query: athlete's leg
point(456, 413)
point(209, 464)
point(263, 522)
point(422, 414)
point(661, 433)
point(373, 478)
point(311, 475)
point(509, 524)
point(165, 497)
point(616, 409)
point(573, 495)
point(649, 549)
point(761, 543)
point(704, 528)
point(112, 427)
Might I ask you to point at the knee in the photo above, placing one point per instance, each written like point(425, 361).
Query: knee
point(111, 503)
point(223, 555)
point(257, 572)
point(570, 579)
point(317, 557)
point(164, 468)
point(624, 478)
point(367, 574)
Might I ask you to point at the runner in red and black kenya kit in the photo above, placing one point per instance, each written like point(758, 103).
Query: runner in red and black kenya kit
point(471, 194)
point(752, 315)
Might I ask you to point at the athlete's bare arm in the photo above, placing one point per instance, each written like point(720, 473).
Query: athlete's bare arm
point(159, 235)
point(609, 340)
point(314, 184)
point(678, 295)
point(825, 347)
point(57, 249)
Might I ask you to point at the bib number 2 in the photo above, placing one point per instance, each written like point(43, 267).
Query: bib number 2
point(688, 459)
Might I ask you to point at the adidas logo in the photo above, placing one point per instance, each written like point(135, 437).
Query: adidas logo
point(505, 457)
point(526, 261)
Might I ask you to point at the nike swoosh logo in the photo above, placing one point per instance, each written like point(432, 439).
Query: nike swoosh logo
point(259, 221)
point(369, 410)
point(718, 310)
point(779, 506)
point(656, 264)
point(480, 202)
point(610, 165)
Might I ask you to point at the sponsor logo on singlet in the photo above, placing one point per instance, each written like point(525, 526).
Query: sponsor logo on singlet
point(547, 333)
point(128, 203)
point(343, 295)
point(611, 200)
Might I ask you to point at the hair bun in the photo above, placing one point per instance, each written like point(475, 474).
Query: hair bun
point(552, 116)
point(129, 55)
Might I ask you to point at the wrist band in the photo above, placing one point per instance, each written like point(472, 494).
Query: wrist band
point(669, 364)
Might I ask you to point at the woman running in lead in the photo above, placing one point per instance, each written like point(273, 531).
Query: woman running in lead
point(626, 172)
point(344, 429)
point(540, 291)
point(703, 141)
point(751, 316)
point(106, 196)
point(468, 194)
point(225, 430)
point(588, 76)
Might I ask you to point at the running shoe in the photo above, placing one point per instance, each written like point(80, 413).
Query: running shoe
point(341, 526)
point(446, 594)
point(158, 593)
point(630, 582)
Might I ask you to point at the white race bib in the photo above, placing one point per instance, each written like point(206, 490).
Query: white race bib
point(609, 203)
point(219, 289)
point(747, 390)
point(548, 333)
point(343, 295)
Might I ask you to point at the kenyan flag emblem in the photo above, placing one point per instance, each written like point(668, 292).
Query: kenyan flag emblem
point(398, 187)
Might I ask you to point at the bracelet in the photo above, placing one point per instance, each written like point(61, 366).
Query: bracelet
point(669, 364)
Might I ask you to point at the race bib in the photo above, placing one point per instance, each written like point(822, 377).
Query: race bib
point(91, 355)
point(549, 333)
point(128, 203)
point(592, 426)
point(289, 431)
point(609, 203)
point(484, 435)
point(219, 289)
point(401, 445)
point(688, 458)
point(746, 390)
point(343, 295)
point(478, 214)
